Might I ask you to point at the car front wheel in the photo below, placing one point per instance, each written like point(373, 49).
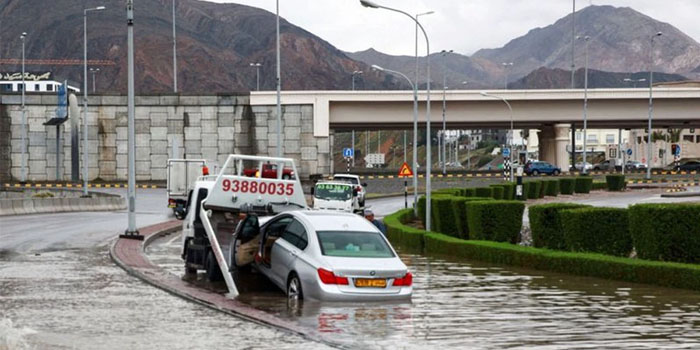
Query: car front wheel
point(555, 172)
point(294, 291)
point(535, 173)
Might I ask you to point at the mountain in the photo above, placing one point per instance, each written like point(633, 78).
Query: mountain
point(216, 43)
point(620, 42)
point(555, 78)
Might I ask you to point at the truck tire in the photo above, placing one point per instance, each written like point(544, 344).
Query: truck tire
point(212, 266)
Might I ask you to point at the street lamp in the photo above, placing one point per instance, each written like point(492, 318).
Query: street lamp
point(444, 107)
point(85, 99)
point(354, 73)
point(131, 231)
point(93, 71)
point(370, 4)
point(257, 74)
point(634, 81)
point(506, 67)
point(279, 86)
point(651, 102)
point(174, 52)
point(23, 175)
point(512, 135)
point(585, 102)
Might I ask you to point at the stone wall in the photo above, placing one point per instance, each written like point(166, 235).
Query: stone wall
point(209, 127)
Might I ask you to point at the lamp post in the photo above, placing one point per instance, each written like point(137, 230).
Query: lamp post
point(85, 99)
point(354, 73)
point(444, 107)
point(651, 102)
point(352, 139)
point(279, 86)
point(512, 135)
point(257, 74)
point(131, 231)
point(23, 175)
point(370, 4)
point(585, 103)
point(174, 52)
point(93, 71)
point(573, 46)
point(506, 67)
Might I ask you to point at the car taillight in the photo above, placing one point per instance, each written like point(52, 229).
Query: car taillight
point(405, 281)
point(328, 277)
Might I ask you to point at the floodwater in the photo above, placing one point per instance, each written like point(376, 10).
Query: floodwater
point(78, 299)
point(460, 304)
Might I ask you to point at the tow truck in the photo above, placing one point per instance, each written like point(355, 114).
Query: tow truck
point(219, 203)
point(336, 195)
point(181, 176)
point(269, 171)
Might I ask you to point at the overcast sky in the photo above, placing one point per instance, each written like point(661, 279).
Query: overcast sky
point(462, 25)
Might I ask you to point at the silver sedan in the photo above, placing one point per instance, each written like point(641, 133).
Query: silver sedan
point(322, 255)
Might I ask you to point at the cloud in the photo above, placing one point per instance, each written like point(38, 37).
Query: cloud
point(462, 25)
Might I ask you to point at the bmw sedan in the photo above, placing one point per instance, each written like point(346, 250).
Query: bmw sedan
point(322, 255)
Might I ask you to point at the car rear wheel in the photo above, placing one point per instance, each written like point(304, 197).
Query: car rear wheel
point(294, 291)
point(555, 172)
point(535, 172)
point(212, 267)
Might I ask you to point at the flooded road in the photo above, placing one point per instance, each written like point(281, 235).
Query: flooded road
point(472, 305)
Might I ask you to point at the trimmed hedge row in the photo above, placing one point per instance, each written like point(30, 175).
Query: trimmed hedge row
point(668, 274)
point(459, 206)
point(495, 220)
point(534, 189)
point(667, 232)
point(583, 184)
point(598, 230)
point(615, 182)
point(545, 224)
point(567, 185)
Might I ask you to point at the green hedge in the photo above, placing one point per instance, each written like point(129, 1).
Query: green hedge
point(508, 190)
point(543, 188)
point(445, 220)
point(483, 192)
point(597, 230)
point(668, 232)
point(460, 212)
point(599, 185)
point(526, 190)
point(615, 182)
point(566, 185)
point(666, 274)
point(470, 192)
point(545, 224)
point(497, 192)
point(583, 184)
point(534, 189)
point(552, 188)
point(420, 208)
point(496, 220)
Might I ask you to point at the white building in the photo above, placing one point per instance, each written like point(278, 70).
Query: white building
point(12, 82)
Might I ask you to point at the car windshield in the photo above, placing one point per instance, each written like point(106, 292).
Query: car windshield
point(351, 180)
point(354, 244)
point(333, 192)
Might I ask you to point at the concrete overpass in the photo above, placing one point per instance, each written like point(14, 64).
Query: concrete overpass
point(551, 111)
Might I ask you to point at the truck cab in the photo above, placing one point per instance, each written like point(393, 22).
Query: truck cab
point(336, 195)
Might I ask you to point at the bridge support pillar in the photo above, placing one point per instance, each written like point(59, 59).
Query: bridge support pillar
point(553, 141)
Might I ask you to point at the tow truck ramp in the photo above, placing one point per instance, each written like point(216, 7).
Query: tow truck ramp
point(234, 194)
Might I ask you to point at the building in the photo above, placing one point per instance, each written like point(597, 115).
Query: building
point(12, 82)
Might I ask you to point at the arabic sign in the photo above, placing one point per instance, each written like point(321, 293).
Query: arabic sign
point(27, 76)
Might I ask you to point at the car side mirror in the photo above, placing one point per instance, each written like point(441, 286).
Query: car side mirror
point(364, 184)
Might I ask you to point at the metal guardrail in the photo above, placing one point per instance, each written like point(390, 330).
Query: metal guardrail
point(76, 185)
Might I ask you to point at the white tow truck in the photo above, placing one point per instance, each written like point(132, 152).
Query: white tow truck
point(219, 203)
point(181, 177)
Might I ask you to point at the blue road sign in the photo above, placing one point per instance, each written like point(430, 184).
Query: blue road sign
point(347, 152)
point(629, 151)
point(506, 152)
point(62, 110)
point(678, 150)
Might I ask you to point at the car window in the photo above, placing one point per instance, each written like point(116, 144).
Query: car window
point(354, 244)
point(276, 228)
point(296, 235)
point(333, 192)
point(351, 180)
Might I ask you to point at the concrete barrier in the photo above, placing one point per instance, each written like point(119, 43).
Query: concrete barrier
point(100, 202)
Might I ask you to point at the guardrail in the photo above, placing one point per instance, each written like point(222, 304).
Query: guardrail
point(75, 185)
point(25, 206)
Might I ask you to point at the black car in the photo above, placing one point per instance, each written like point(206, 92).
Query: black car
point(690, 166)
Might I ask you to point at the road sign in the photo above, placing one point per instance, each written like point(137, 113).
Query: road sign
point(348, 152)
point(676, 149)
point(629, 151)
point(62, 106)
point(405, 170)
point(506, 152)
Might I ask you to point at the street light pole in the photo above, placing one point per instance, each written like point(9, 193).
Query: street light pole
point(415, 121)
point(573, 45)
point(444, 108)
point(506, 68)
point(512, 135)
point(257, 74)
point(93, 71)
point(585, 104)
point(651, 103)
point(131, 231)
point(174, 52)
point(279, 87)
point(23, 175)
point(370, 4)
point(86, 149)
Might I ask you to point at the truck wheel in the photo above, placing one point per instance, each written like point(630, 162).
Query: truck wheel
point(190, 270)
point(294, 291)
point(213, 270)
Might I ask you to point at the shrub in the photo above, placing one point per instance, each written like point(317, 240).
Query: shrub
point(496, 220)
point(668, 232)
point(545, 224)
point(460, 212)
point(552, 188)
point(406, 236)
point(566, 185)
point(469, 192)
point(445, 220)
point(448, 191)
point(420, 206)
point(526, 190)
point(483, 192)
point(497, 192)
point(535, 187)
point(599, 185)
point(615, 182)
point(599, 230)
point(543, 188)
point(508, 190)
point(583, 184)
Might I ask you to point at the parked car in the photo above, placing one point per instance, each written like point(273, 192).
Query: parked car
point(690, 166)
point(579, 166)
point(355, 181)
point(606, 165)
point(323, 255)
point(536, 168)
point(635, 165)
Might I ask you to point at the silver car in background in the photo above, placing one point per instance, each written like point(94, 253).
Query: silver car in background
point(322, 255)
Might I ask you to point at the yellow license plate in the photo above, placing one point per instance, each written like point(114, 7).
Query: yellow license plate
point(370, 282)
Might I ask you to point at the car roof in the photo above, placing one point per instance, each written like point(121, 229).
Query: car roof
point(333, 183)
point(321, 220)
point(347, 175)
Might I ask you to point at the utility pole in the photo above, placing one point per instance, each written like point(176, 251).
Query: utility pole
point(585, 105)
point(651, 103)
point(23, 175)
point(174, 52)
point(279, 87)
point(573, 44)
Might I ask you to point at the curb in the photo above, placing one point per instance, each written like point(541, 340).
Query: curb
point(76, 185)
point(129, 254)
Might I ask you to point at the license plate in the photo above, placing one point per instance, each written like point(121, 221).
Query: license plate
point(370, 283)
